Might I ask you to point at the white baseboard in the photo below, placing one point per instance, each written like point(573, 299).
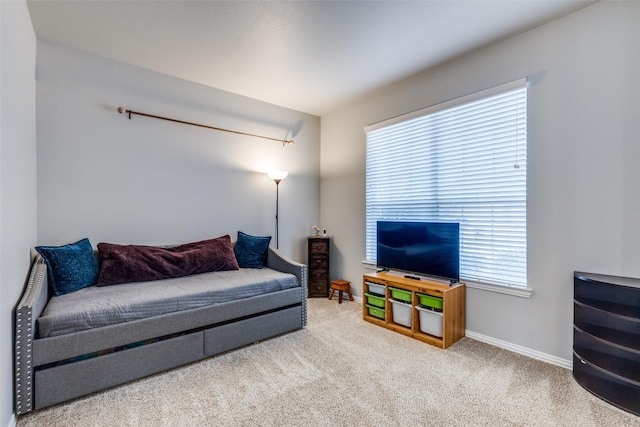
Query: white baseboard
point(534, 354)
point(12, 421)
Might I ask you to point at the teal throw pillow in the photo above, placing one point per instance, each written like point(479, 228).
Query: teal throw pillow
point(251, 251)
point(70, 267)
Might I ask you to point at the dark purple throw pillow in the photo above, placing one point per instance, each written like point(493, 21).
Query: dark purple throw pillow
point(138, 263)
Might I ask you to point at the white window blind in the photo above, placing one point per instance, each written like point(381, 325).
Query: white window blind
point(463, 161)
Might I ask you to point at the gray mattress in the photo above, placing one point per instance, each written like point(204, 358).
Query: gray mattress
point(95, 307)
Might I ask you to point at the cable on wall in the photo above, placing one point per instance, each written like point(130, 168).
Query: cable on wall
point(123, 110)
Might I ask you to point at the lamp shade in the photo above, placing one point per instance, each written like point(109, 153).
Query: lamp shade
point(277, 176)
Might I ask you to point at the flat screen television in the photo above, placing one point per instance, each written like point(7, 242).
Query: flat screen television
point(428, 248)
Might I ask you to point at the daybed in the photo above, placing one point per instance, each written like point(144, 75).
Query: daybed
point(175, 321)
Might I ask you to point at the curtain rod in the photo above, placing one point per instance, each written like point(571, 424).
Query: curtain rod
point(122, 110)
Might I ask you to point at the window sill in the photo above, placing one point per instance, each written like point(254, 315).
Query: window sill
point(507, 290)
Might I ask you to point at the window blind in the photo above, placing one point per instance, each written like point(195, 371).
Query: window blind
point(462, 161)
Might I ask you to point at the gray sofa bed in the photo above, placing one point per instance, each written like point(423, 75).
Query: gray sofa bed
point(58, 357)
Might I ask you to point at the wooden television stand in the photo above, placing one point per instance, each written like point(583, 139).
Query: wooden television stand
point(453, 307)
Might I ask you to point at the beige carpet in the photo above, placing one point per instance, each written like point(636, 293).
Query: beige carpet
point(342, 371)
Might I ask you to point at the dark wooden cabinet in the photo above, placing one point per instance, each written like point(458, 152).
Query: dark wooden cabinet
point(606, 338)
point(319, 267)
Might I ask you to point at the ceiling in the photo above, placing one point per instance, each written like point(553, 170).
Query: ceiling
point(310, 56)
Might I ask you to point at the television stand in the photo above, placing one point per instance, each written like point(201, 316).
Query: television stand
point(452, 313)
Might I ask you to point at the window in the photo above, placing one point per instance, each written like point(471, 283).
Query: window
point(464, 161)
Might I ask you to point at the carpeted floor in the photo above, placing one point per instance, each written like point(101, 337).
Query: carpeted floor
point(342, 371)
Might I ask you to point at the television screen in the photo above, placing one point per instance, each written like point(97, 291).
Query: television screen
point(429, 248)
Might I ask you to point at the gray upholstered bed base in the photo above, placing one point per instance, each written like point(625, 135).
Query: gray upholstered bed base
point(189, 335)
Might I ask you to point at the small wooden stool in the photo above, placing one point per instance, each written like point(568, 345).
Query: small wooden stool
point(341, 286)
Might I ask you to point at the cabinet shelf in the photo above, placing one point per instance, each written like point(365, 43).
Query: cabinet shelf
point(612, 389)
point(452, 314)
point(612, 336)
point(611, 307)
point(617, 360)
point(606, 338)
point(610, 327)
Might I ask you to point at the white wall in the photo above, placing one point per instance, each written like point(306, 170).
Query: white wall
point(583, 157)
point(17, 177)
point(148, 181)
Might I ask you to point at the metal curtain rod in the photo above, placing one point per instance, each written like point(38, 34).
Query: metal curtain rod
point(122, 110)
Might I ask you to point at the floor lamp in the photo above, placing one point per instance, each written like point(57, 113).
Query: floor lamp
point(277, 176)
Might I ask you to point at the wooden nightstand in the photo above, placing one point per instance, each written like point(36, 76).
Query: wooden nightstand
point(319, 267)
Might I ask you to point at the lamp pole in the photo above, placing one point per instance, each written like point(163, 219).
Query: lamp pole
point(277, 177)
point(277, 197)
